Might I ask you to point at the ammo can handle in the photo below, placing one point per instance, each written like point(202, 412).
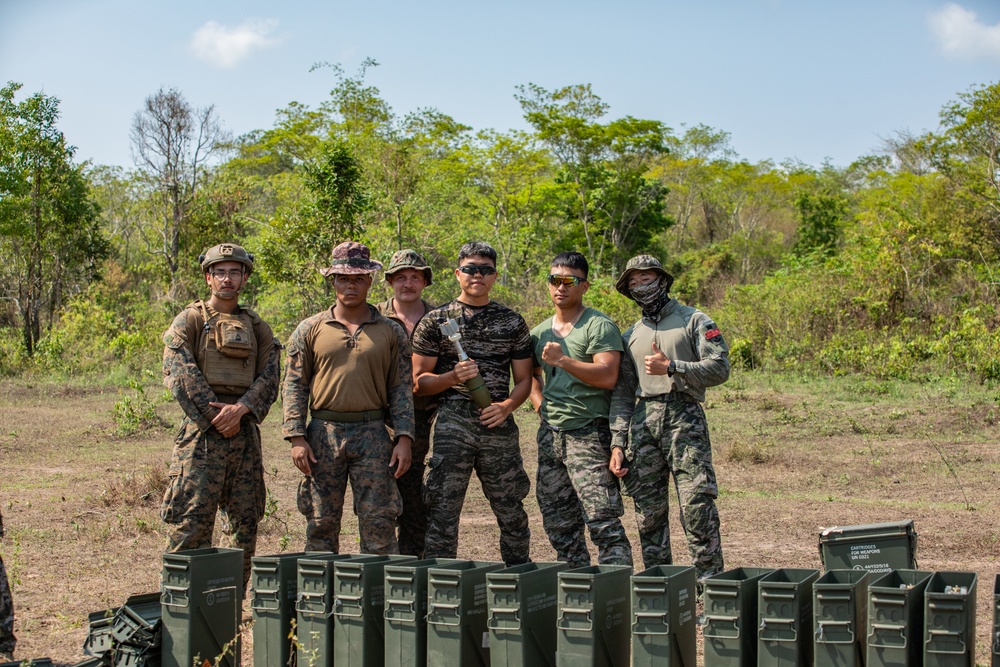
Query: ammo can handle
point(503, 610)
point(304, 602)
point(354, 602)
point(707, 624)
point(268, 599)
point(790, 622)
point(431, 607)
point(895, 600)
point(407, 610)
point(941, 634)
point(844, 625)
point(167, 599)
point(582, 612)
point(565, 585)
point(641, 616)
point(901, 629)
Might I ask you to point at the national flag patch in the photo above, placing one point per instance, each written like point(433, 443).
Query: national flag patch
point(712, 333)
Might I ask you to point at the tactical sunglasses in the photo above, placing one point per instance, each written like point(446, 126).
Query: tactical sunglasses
point(473, 269)
point(564, 280)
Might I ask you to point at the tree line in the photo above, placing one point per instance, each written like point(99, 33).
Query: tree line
point(884, 266)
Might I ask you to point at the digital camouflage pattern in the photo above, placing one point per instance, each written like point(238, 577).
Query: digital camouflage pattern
point(492, 336)
point(8, 642)
point(575, 488)
point(459, 445)
point(208, 472)
point(667, 435)
point(360, 452)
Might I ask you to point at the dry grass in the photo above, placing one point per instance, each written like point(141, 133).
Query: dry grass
point(793, 455)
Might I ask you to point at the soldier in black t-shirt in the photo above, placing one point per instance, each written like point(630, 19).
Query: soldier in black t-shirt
point(464, 437)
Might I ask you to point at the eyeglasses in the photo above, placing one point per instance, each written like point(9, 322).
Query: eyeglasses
point(564, 280)
point(473, 269)
point(232, 274)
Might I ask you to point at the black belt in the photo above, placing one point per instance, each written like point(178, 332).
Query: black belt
point(350, 417)
point(672, 397)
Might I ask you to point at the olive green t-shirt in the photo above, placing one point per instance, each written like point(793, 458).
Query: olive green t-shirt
point(568, 402)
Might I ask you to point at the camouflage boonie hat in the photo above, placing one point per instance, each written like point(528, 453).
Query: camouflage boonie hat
point(352, 258)
point(225, 252)
point(641, 263)
point(408, 259)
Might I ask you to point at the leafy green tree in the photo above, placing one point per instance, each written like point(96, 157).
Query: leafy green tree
point(821, 217)
point(604, 167)
point(50, 242)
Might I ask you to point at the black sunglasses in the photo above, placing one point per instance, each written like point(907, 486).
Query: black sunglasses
point(564, 280)
point(473, 269)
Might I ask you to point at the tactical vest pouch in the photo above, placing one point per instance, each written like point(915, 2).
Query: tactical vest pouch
point(232, 338)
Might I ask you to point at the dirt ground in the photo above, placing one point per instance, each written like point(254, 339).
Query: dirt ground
point(792, 454)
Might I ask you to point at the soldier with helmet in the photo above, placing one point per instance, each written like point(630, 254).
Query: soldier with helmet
point(408, 275)
point(348, 377)
point(221, 363)
point(672, 354)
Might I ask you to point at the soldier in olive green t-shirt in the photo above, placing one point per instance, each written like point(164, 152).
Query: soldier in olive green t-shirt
point(577, 353)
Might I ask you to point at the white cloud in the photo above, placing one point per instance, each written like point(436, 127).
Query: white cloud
point(224, 46)
point(960, 34)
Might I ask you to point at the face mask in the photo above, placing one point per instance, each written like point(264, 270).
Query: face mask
point(651, 297)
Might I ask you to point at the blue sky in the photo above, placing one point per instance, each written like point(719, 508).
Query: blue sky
point(805, 80)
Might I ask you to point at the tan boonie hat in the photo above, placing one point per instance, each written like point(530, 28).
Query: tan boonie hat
point(408, 259)
point(641, 263)
point(352, 258)
point(226, 252)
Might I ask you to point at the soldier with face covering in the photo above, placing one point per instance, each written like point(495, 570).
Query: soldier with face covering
point(671, 356)
point(221, 364)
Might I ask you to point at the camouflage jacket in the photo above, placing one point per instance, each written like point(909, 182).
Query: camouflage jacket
point(699, 359)
point(185, 381)
point(301, 374)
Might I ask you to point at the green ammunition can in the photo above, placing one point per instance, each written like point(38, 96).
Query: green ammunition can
point(663, 616)
point(950, 620)
point(522, 602)
point(840, 618)
point(729, 623)
point(358, 603)
point(201, 591)
point(874, 547)
point(457, 612)
point(896, 618)
point(593, 616)
point(785, 610)
point(314, 608)
point(273, 589)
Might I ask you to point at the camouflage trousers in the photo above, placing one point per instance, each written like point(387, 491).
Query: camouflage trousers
point(575, 488)
point(412, 523)
point(7, 639)
point(670, 437)
point(360, 452)
point(459, 445)
point(210, 473)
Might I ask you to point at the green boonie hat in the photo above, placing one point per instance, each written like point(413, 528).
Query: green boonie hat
point(408, 259)
point(352, 258)
point(641, 263)
point(225, 252)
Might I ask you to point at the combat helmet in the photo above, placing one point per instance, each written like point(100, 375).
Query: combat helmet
point(641, 263)
point(226, 252)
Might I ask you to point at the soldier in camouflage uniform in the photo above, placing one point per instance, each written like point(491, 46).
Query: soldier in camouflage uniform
point(577, 354)
point(672, 355)
point(350, 368)
point(463, 436)
point(8, 642)
point(408, 275)
point(221, 363)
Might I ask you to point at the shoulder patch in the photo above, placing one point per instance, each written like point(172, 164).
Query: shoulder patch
point(712, 333)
